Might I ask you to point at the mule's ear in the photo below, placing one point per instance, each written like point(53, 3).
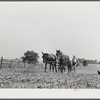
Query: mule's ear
point(42, 53)
point(56, 50)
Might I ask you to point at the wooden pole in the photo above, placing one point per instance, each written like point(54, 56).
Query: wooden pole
point(18, 62)
point(24, 64)
point(1, 62)
point(11, 63)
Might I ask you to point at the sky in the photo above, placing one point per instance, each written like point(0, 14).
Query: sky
point(71, 27)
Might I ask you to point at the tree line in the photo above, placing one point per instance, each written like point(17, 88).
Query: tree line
point(31, 57)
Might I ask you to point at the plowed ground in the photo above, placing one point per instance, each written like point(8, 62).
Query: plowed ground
point(35, 77)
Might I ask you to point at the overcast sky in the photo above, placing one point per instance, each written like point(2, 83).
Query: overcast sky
point(72, 27)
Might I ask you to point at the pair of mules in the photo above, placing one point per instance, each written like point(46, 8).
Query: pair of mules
point(59, 60)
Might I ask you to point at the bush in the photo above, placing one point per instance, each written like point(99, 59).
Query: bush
point(85, 63)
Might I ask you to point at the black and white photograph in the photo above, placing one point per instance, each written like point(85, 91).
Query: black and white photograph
point(50, 45)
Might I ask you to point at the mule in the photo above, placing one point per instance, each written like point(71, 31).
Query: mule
point(63, 61)
point(49, 59)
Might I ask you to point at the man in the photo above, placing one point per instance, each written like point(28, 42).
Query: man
point(74, 60)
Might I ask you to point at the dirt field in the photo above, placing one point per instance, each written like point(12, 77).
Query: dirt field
point(35, 77)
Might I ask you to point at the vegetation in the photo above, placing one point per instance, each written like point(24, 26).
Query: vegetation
point(30, 57)
point(85, 63)
point(88, 61)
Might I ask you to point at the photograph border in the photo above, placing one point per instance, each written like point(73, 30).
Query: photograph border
point(76, 91)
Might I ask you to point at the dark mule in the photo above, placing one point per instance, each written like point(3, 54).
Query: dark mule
point(63, 61)
point(98, 72)
point(49, 59)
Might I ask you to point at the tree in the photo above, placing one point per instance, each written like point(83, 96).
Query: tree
point(30, 57)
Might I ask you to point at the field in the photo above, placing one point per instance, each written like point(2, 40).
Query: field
point(34, 77)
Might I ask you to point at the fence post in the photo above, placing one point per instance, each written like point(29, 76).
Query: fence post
point(1, 62)
point(11, 62)
point(18, 62)
point(24, 64)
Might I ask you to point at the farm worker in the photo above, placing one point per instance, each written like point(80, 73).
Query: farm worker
point(74, 60)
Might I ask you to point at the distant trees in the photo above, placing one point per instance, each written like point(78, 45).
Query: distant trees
point(30, 57)
point(88, 61)
point(93, 62)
